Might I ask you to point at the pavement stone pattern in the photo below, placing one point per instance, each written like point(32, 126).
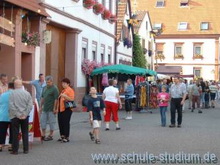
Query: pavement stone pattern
point(200, 133)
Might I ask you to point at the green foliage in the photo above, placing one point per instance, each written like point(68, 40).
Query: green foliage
point(139, 59)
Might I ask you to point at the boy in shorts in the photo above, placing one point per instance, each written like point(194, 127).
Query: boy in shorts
point(95, 105)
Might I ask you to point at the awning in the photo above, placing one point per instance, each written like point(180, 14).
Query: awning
point(32, 5)
point(169, 70)
point(123, 69)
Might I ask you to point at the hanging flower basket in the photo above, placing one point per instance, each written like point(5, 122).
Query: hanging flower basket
point(113, 18)
point(98, 8)
point(32, 38)
point(106, 14)
point(88, 3)
point(127, 42)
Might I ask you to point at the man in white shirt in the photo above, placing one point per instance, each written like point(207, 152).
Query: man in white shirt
point(112, 103)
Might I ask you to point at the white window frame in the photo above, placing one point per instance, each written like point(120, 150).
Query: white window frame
point(84, 47)
point(157, 26)
point(206, 26)
point(160, 5)
point(182, 26)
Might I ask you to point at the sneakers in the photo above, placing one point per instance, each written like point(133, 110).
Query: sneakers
point(199, 111)
point(128, 118)
point(107, 129)
point(179, 126)
point(48, 138)
point(118, 128)
point(97, 141)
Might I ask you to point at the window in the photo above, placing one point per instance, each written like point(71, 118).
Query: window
point(157, 26)
point(184, 3)
point(197, 52)
point(109, 54)
point(182, 26)
point(160, 3)
point(84, 48)
point(103, 2)
point(197, 72)
point(94, 50)
point(102, 53)
point(110, 6)
point(159, 51)
point(178, 54)
point(146, 25)
point(204, 26)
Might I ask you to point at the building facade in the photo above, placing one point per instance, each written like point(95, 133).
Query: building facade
point(187, 36)
point(78, 31)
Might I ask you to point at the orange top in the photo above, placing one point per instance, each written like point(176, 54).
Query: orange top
point(70, 93)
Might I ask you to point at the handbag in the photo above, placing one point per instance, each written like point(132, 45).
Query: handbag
point(70, 104)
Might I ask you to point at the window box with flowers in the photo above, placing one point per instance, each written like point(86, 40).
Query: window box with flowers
point(106, 14)
point(178, 56)
point(89, 3)
point(197, 56)
point(113, 18)
point(127, 42)
point(31, 38)
point(98, 8)
point(160, 56)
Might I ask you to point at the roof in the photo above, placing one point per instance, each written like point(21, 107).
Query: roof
point(170, 70)
point(32, 5)
point(140, 17)
point(171, 14)
point(122, 6)
point(123, 69)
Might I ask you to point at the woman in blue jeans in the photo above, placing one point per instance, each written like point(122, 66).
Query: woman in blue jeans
point(163, 99)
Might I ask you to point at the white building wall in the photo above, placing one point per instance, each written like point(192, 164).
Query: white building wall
point(188, 63)
point(144, 33)
point(90, 33)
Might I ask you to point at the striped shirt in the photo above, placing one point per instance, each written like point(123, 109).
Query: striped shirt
point(20, 103)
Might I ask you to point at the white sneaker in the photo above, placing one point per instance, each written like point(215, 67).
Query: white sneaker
point(127, 118)
point(130, 117)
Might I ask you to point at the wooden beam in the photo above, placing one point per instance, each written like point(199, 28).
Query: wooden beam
point(7, 24)
point(7, 40)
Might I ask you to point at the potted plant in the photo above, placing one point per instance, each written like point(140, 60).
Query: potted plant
point(197, 56)
point(88, 3)
point(106, 14)
point(98, 8)
point(113, 18)
point(31, 38)
point(178, 56)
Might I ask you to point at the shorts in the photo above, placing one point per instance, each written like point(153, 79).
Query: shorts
point(96, 123)
point(212, 95)
point(48, 118)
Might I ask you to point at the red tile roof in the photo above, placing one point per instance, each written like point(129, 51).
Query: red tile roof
point(171, 14)
point(139, 16)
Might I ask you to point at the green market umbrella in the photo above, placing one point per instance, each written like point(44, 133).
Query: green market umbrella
point(123, 69)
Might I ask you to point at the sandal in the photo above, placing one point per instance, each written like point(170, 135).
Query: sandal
point(48, 138)
point(97, 141)
point(91, 136)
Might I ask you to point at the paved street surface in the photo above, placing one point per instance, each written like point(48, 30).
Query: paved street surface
point(200, 133)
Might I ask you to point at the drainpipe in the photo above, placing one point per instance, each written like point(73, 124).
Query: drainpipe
point(116, 23)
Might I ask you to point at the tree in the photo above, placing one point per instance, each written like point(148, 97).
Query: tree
point(139, 59)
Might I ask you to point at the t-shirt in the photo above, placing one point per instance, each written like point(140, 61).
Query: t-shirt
point(110, 94)
point(39, 87)
point(196, 90)
point(162, 96)
point(49, 94)
point(96, 105)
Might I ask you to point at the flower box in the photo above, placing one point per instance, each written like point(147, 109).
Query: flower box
point(113, 18)
point(106, 14)
point(160, 57)
point(31, 38)
point(88, 3)
point(178, 56)
point(98, 8)
point(197, 56)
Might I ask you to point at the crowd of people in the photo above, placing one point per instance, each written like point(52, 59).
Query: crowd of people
point(16, 104)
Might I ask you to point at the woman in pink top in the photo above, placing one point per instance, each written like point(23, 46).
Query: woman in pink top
point(163, 99)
